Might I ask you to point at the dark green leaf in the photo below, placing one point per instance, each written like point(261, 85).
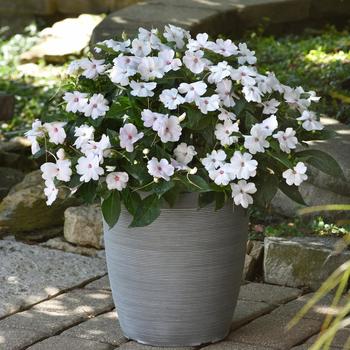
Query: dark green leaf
point(113, 137)
point(220, 200)
point(147, 212)
point(195, 183)
point(171, 196)
point(131, 200)
point(292, 192)
point(87, 191)
point(163, 186)
point(205, 199)
point(267, 186)
point(111, 208)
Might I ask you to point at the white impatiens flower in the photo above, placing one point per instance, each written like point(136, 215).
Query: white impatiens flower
point(176, 35)
point(269, 83)
point(184, 153)
point(150, 118)
point(194, 61)
point(269, 125)
point(241, 193)
point(61, 170)
point(193, 90)
point(245, 55)
point(245, 75)
point(140, 48)
point(223, 132)
point(226, 115)
point(83, 134)
point(168, 128)
point(150, 68)
point(224, 89)
point(89, 168)
point(223, 175)
point(37, 131)
point(117, 180)
point(286, 139)
point(244, 165)
point(225, 48)
point(97, 106)
point(214, 160)
point(128, 135)
point(294, 98)
point(256, 141)
point(296, 175)
point(92, 68)
point(76, 101)
point(98, 149)
point(310, 121)
point(270, 107)
point(201, 42)
point(73, 67)
point(51, 192)
point(208, 103)
point(168, 61)
point(171, 98)
point(120, 76)
point(151, 37)
point(57, 134)
point(252, 93)
point(160, 168)
point(142, 89)
point(219, 72)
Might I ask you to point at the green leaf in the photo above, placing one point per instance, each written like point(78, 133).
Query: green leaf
point(87, 191)
point(111, 208)
point(171, 196)
point(220, 200)
point(267, 187)
point(113, 137)
point(147, 212)
point(292, 192)
point(205, 199)
point(195, 183)
point(131, 200)
point(322, 161)
point(163, 186)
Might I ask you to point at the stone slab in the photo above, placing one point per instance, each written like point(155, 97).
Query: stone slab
point(339, 340)
point(17, 339)
point(29, 274)
point(101, 283)
point(270, 331)
point(59, 313)
point(267, 293)
point(131, 345)
point(104, 328)
point(65, 343)
point(229, 345)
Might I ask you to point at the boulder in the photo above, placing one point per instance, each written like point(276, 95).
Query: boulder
point(24, 209)
point(83, 226)
point(302, 262)
point(8, 178)
point(253, 260)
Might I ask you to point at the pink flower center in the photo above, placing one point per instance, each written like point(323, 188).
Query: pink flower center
point(55, 129)
point(94, 105)
point(130, 137)
point(76, 99)
point(195, 60)
point(90, 166)
point(116, 178)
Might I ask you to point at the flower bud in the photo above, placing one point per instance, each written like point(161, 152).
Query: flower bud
point(182, 117)
point(193, 171)
point(156, 179)
point(145, 151)
point(135, 162)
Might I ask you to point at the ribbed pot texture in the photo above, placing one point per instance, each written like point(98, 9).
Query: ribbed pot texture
point(176, 281)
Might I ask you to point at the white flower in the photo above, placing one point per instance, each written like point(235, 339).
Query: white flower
point(76, 101)
point(184, 153)
point(223, 132)
point(92, 68)
point(219, 72)
point(193, 90)
point(128, 135)
point(171, 98)
point(246, 55)
point(294, 99)
point(270, 107)
point(256, 141)
point(119, 75)
point(142, 89)
point(176, 35)
point(246, 75)
point(117, 46)
point(51, 192)
point(57, 134)
point(269, 83)
point(224, 89)
point(241, 193)
point(201, 42)
point(208, 103)
point(244, 165)
point(98, 149)
point(140, 48)
point(167, 60)
point(36, 131)
point(296, 175)
point(97, 106)
point(269, 125)
point(226, 115)
point(223, 175)
point(150, 118)
point(83, 134)
point(214, 160)
point(310, 121)
point(160, 168)
point(252, 93)
point(61, 170)
point(150, 68)
point(117, 180)
point(194, 61)
point(168, 128)
point(225, 48)
point(89, 168)
point(73, 67)
point(286, 139)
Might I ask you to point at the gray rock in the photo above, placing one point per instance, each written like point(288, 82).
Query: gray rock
point(18, 339)
point(302, 261)
point(24, 208)
point(99, 284)
point(83, 226)
point(131, 345)
point(253, 260)
point(37, 7)
point(248, 269)
point(230, 345)
point(8, 178)
point(29, 274)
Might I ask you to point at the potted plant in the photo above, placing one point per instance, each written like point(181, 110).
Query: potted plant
point(157, 127)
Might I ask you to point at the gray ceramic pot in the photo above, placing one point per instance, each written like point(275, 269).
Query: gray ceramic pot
point(176, 281)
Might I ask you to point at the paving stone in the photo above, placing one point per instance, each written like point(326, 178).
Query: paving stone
point(249, 310)
point(29, 273)
point(68, 343)
point(339, 340)
point(101, 283)
point(16, 339)
point(268, 293)
point(61, 312)
point(104, 328)
point(131, 345)
point(270, 331)
point(229, 345)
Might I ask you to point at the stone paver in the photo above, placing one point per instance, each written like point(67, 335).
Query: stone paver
point(68, 343)
point(136, 346)
point(339, 340)
point(267, 293)
point(104, 328)
point(16, 339)
point(229, 345)
point(101, 283)
point(29, 274)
